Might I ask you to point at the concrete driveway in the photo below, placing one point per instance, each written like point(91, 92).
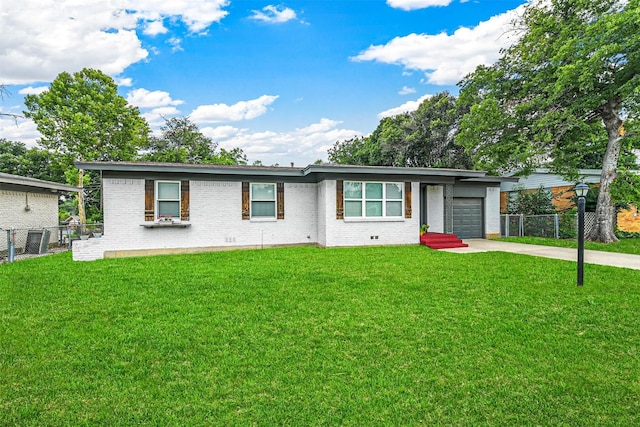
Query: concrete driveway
point(591, 257)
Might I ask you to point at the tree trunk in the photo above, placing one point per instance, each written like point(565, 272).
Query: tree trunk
point(605, 210)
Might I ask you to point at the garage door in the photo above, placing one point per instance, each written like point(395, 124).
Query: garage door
point(467, 218)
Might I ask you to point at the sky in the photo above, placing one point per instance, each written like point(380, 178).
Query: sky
point(283, 80)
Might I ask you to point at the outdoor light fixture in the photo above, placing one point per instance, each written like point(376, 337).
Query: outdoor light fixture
point(581, 191)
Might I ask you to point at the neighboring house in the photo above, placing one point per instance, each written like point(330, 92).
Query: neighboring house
point(161, 208)
point(29, 202)
point(561, 189)
point(563, 193)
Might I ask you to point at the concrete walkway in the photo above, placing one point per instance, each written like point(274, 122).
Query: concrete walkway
point(591, 257)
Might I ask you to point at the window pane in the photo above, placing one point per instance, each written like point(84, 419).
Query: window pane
point(394, 191)
point(263, 209)
point(373, 191)
point(353, 190)
point(394, 208)
point(263, 191)
point(352, 208)
point(169, 190)
point(374, 208)
point(171, 209)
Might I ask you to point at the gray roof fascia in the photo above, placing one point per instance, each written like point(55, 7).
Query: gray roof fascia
point(311, 172)
point(24, 181)
point(391, 170)
point(491, 179)
point(181, 168)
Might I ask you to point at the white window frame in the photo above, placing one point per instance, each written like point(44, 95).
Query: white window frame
point(157, 201)
point(384, 201)
point(275, 202)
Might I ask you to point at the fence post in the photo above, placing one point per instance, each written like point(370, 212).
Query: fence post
point(11, 245)
point(556, 226)
point(506, 225)
point(521, 231)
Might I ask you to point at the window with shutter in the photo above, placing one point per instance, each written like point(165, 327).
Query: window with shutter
point(166, 201)
point(372, 199)
point(262, 200)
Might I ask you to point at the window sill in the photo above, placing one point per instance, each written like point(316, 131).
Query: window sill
point(166, 225)
point(373, 219)
point(264, 219)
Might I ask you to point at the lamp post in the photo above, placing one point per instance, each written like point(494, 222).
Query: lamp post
point(581, 191)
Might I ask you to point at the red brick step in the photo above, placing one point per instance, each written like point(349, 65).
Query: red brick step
point(442, 241)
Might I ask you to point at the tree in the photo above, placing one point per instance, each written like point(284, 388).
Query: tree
point(352, 151)
point(182, 142)
point(17, 159)
point(422, 138)
point(431, 140)
point(82, 117)
point(571, 76)
point(531, 202)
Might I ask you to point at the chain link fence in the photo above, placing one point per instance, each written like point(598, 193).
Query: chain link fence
point(21, 243)
point(557, 226)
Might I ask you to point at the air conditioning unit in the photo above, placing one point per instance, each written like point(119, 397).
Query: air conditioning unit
point(37, 241)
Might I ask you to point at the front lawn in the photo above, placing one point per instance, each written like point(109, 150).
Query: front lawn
point(392, 336)
point(627, 246)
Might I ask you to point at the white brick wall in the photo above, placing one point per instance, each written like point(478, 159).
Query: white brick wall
point(43, 210)
point(358, 232)
point(216, 220)
point(492, 211)
point(435, 208)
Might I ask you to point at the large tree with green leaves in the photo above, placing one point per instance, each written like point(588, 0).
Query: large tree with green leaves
point(421, 138)
point(82, 117)
point(569, 82)
point(181, 141)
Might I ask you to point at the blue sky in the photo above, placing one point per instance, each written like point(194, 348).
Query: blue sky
point(283, 81)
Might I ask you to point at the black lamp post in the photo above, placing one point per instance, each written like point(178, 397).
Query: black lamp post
point(581, 191)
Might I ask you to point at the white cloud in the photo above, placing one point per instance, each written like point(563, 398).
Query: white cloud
point(221, 132)
point(416, 4)
point(406, 90)
point(274, 14)
point(19, 129)
point(302, 145)
point(41, 39)
point(33, 90)
point(153, 28)
point(446, 59)
point(175, 43)
point(243, 110)
point(124, 81)
point(143, 98)
point(404, 108)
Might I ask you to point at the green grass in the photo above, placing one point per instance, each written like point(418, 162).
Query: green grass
point(393, 336)
point(627, 246)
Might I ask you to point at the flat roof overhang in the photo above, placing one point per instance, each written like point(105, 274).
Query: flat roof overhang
point(23, 183)
point(311, 173)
